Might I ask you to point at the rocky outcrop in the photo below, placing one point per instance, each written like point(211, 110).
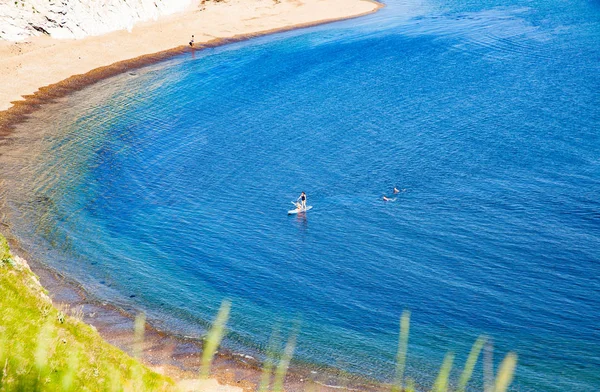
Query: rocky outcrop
point(74, 19)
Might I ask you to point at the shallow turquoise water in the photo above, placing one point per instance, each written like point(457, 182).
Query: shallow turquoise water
point(166, 188)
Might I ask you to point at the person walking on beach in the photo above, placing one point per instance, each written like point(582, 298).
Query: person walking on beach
point(301, 201)
point(192, 40)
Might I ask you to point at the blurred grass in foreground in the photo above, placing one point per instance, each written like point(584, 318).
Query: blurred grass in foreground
point(43, 349)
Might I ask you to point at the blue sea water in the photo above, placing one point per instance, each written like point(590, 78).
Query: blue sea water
point(166, 188)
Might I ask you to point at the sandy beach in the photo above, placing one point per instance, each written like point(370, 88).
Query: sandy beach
point(41, 68)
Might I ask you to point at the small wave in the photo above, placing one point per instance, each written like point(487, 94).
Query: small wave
point(336, 386)
point(245, 356)
point(502, 31)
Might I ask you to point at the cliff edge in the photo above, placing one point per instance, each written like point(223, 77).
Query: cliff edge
point(23, 19)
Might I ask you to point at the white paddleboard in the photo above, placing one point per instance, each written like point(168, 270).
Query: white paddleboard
point(299, 210)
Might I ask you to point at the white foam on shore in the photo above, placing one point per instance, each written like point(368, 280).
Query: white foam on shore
point(336, 386)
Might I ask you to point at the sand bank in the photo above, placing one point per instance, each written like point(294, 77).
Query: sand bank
point(43, 61)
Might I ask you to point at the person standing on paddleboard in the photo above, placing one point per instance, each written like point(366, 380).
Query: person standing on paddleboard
point(301, 201)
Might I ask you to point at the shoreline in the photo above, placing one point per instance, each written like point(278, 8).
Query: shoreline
point(178, 356)
point(37, 86)
point(165, 351)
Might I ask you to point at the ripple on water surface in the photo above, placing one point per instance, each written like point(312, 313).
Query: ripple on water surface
point(171, 184)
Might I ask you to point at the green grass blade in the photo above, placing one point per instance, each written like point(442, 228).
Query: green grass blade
point(402, 349)
point(139, 328)
point(284, 363)
point(213, 338)
point(506, 372)
point(470, 364)
point(410, 385)
point(3, 357)
point(114, 380)
point(43, 345)
point(272, 348)
point(488, 367)
point(71, 372)
point(441, 383)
